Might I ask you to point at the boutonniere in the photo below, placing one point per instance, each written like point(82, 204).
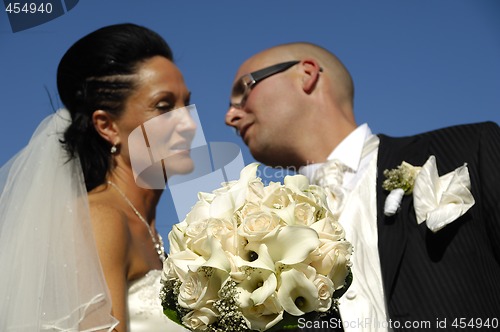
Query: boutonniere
point(438, 200)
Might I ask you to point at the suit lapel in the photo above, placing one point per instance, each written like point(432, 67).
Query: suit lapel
point(393, 231)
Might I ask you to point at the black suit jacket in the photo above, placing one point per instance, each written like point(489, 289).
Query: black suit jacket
point(452, 275)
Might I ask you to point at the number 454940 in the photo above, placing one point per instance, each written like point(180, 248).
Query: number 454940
point(477, 323)
point(28, 8)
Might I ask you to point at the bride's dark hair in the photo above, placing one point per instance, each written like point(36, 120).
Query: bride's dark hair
point(96, 73)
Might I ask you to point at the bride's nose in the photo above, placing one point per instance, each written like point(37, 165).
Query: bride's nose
point(186, 125)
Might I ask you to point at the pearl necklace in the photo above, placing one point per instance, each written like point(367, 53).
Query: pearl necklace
point(157, 240)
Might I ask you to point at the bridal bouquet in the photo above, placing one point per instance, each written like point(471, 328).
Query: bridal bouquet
point(252, 257)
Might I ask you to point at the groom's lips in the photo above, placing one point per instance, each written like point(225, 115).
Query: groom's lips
point(243, 130)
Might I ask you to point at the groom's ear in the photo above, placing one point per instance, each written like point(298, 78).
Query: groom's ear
point(311, 69)
point(105, 126)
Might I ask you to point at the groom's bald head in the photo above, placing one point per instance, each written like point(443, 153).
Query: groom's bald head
point(296, 115)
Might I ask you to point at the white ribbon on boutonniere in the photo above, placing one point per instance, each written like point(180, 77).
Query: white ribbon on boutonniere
point(437, 200)
point(398, 182)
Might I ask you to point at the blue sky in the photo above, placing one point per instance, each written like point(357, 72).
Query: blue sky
point(417, 65)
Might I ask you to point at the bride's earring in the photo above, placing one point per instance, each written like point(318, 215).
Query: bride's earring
point(113, 149)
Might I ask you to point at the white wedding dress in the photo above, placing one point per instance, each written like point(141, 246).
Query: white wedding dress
point(144, 306)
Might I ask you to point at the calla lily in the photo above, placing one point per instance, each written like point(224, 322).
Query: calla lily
point(248, 172)
point(264, 259)
point(298, 182)
point(223, 206)
point(297, 294)
point(218, 258)
point(263, 316)
point(257, 287)
point(291, 244)
point(268, 287)
point(286, 214)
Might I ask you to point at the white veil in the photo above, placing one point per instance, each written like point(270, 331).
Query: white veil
point(50, 278)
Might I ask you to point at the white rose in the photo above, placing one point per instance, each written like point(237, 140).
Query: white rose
point(304, 214)
point(279, 200)
point(196, 237)
point(199, 319)
point(248, 208)
point(325, 292)
point(333, 261)
point(195, 228)
point(257, 225)
point(176, 237)
point(225, 232)
point(200, 211)
point(271, 188)
point(255, 190)
point(304, 193)
point(177, 265)
point(316, 194)
point(200, 287)
point(329, 228)
point(278, 197)
point(168, 272)
point(193, 290)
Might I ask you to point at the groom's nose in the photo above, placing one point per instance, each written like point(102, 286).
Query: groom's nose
point(233, 116)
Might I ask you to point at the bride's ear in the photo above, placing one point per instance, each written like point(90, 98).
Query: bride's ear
point(310, 70)
point(106, 126)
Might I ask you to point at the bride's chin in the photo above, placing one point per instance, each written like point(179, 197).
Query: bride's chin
point(181, 165)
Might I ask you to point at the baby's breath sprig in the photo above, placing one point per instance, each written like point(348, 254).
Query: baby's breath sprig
point(231, 318)
point(168, 296)
point(402, 177)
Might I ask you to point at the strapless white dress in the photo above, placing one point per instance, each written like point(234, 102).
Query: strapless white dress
point(144, 306)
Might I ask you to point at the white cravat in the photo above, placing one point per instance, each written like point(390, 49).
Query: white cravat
point(362, 307)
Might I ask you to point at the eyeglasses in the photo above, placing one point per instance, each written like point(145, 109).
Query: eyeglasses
point(245, 83)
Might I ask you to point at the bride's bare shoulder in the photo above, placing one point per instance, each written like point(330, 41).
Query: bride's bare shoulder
point(108, 219)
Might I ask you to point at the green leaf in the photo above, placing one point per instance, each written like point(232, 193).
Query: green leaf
point(339, 292)
point(173, 316)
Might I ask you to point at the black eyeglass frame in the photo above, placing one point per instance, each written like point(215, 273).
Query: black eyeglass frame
point(251, 79)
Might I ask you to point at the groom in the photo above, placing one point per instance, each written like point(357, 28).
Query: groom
point(293, 107)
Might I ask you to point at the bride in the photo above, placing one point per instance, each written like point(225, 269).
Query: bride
point(78, 245)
